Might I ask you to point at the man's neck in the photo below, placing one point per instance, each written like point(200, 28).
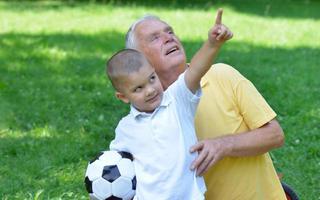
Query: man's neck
point(168, 78)
point(166, 84)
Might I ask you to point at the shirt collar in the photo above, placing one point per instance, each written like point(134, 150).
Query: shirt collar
point(166, 100)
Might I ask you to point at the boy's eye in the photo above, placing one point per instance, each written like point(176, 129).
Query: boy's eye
point(153, 78)
point(138, 89)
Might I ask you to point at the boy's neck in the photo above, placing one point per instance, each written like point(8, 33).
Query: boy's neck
point(143, 111)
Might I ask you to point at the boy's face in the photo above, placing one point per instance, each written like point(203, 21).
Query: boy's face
point(142, 89)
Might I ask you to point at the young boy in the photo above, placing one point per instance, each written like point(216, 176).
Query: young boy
point(159, 129)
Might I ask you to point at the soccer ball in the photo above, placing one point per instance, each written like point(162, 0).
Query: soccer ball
point(111, 176)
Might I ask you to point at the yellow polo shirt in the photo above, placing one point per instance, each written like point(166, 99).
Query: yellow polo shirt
point(231, 104)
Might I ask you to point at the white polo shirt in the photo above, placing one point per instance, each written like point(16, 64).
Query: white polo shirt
point(160, 143)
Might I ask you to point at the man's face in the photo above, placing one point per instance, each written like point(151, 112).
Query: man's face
point(157, 41)
point(142, 88)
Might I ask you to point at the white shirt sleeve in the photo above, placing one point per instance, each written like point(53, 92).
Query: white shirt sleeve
point(119, 143)
point(183, 95)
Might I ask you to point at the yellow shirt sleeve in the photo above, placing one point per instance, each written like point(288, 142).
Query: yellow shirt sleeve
point(230, 104)
point(252, 106)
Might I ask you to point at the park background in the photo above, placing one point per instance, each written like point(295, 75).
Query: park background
point(57, 109)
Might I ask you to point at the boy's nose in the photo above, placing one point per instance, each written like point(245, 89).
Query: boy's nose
point(150, 91)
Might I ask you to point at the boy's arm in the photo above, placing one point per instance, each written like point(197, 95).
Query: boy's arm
point(202, 60)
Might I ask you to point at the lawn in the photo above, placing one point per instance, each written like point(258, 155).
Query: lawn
point(57, 109)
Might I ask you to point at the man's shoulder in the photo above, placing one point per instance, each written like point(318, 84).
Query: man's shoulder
point(222, 75)
point(222, 71)
point(222, 68)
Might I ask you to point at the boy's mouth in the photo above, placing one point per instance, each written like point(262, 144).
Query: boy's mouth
point(152, 99)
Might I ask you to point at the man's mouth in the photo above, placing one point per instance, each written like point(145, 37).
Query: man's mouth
point(171, 50)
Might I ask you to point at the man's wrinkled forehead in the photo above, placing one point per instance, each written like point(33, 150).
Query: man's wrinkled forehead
point(151, 26)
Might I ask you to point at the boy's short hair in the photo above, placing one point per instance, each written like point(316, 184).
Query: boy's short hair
point(122, 64)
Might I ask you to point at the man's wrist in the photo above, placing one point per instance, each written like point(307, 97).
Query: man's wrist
point(228, 143)
point(214, 45)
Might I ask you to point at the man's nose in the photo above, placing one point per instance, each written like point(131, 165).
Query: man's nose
point(167, 37)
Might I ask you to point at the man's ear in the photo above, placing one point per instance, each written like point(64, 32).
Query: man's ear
point(122, 97)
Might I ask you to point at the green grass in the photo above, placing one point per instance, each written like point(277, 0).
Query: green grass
point(57, 109)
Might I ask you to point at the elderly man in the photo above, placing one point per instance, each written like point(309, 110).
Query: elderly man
point(235, 125)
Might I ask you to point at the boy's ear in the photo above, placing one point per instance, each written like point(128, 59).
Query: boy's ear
point(122, 97)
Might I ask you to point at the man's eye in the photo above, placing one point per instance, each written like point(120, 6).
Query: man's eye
point(155, 37)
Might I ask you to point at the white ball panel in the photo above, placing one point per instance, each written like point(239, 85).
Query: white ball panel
point(94, 197)
point(110, 157)
point(126, 168)
point(130, 195)
point(94, 170)
point(121, 186)
point(102, 188)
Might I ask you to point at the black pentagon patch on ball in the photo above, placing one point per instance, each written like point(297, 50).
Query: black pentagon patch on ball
point(113, 198)
point(96, 157)
point(88, 184)
point(126, 155)
point(134, 183)
point(110, 173)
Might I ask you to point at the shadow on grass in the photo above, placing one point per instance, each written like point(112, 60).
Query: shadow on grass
point(56, 79)
point(268, 8)
point(56, 82)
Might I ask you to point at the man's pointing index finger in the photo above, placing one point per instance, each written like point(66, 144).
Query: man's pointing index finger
point(219, 16)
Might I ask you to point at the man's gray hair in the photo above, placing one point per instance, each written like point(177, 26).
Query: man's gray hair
point(131, 39)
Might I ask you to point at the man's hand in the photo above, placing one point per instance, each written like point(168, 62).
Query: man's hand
point(219, 33)
point(210, 152)
point(254, 142)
